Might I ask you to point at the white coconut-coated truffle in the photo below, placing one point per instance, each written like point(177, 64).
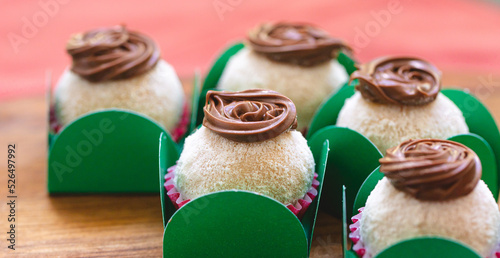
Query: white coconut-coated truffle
point(281, 167)
point(388, 125)
point(157, 94)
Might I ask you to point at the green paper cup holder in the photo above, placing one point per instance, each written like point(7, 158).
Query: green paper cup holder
point(352, 158)
point(110, 151)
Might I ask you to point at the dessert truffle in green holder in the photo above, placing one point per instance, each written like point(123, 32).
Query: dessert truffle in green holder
point(110, 108)
point(246, 183)
point(445, 186)
point(393, 99)
point(297, 60)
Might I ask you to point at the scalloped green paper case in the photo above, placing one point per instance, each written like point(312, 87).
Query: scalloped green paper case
point(235, 223)
point(108, 151)
point(427, 246)
point(352, 158)
point(215, 73)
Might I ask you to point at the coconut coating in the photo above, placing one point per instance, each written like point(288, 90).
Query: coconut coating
point(307, 87)
point(391, 216)
point(281, 167)
point(388, 125)
point(157, 94)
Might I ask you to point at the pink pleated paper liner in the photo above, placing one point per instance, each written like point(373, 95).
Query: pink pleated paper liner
point(183, 124)
point(54, 125)
point(176, 133)
point(298, 209)
point(355, 236)
point(360, 248)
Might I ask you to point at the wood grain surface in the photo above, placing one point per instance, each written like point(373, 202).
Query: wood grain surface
point(117, 225)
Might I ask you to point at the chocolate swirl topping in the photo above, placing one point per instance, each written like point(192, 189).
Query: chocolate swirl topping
point(432, 170)
point(300, 44)
point(249, 116)
point(398, 80)
point(112, 54)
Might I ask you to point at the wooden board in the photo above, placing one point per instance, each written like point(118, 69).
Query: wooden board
point(112, 225)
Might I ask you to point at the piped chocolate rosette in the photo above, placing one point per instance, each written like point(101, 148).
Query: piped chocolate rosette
point(429, 170)
point(295, 43)
point(246, 118)
point(112, 54)
point(249, 116)
point(398, 80)
point(432, 170)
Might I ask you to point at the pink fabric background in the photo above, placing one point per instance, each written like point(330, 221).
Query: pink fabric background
point(457, 35)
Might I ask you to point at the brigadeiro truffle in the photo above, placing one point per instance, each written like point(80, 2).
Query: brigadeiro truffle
point(398, 99)
point(247, 142)
point(117, 68)
point(431, 188)
point(297, 60)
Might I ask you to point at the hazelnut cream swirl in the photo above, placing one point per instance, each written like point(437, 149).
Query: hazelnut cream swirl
point(398, 80)
point(112, 54)
point(249, 116)
point(433, 170)
point(300, 44)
